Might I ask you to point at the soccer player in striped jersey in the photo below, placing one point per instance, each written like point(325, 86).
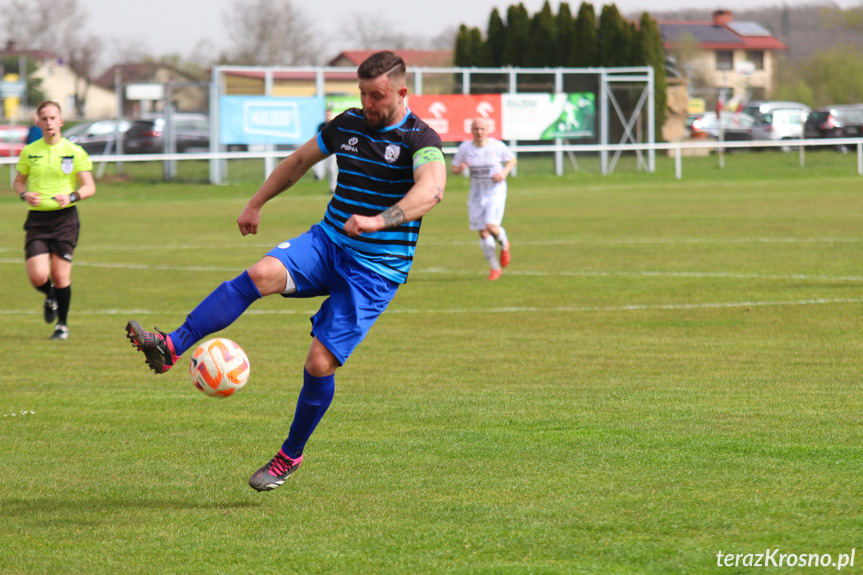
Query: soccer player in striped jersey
point(489, 162)
point(391, 173)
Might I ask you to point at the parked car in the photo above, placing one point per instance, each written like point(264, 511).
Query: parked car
point(835, 122)
point(758, 108)
point(191, 134)
point(736, 126)
point(780, 124)
point(146, 135)
point(96, 137)
point(12, 140)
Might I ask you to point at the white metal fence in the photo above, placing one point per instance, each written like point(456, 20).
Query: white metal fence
point(680, 151)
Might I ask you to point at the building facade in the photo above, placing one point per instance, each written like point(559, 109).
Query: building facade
point(725, 61)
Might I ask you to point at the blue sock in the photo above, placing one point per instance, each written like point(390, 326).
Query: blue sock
point(315, 398)
point(218, 310)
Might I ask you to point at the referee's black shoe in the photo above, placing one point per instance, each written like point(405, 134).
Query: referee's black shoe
point(50, 309)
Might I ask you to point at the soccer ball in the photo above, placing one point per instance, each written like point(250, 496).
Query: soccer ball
point(219, 367)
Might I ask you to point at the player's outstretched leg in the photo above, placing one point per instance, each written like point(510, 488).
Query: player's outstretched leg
point(158, 349)
point(274, 473)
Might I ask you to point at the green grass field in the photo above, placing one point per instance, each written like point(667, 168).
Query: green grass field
point(667, 370)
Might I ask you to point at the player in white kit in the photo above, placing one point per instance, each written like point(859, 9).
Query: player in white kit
point(489, 162)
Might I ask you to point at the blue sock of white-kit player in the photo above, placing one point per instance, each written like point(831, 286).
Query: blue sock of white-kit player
point(314, 400)
point(218, 310)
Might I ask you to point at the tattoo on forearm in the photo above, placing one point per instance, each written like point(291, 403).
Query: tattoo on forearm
point(438, 194)
point(285, 187)
point(393, 216)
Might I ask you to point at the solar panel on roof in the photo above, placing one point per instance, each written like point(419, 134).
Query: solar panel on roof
point(749, 29)
point(703, 34)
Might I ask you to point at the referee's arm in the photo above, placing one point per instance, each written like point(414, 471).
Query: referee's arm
point(87, 188)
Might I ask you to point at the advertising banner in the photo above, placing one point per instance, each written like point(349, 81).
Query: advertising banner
point(548, 116)
point(269, 120)
point(338, 104)
point(450, 115)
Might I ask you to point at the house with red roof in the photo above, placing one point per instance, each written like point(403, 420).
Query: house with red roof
point(724, 59)
point(61, 84)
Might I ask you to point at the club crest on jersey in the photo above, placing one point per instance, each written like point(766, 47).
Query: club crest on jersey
point(392, 153)
point(67, 164)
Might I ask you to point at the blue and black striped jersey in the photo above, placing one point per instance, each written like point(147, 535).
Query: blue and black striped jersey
point(376, 170)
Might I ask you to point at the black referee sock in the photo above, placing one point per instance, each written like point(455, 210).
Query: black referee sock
point(47, 289)
point(63, 297)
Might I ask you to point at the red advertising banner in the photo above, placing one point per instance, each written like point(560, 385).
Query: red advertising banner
point(450, 115)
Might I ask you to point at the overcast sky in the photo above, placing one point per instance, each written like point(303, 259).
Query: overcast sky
point(168, 26)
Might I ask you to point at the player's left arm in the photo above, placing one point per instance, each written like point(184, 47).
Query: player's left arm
point(87, 188)
point(507, 168)
point(426, 193)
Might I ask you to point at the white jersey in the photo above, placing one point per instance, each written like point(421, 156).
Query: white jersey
point(483, 163)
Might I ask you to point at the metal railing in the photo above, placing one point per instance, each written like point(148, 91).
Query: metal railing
point(677, 150)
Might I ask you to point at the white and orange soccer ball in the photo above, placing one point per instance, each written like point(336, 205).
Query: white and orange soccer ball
point(219, 367)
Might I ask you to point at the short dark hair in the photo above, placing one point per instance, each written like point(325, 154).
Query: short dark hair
point(45, 104)
point(382, 63)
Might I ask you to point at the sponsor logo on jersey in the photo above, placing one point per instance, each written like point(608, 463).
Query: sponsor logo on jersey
point(351, 146)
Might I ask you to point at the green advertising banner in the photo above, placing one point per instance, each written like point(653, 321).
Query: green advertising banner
point(548, 116)
point(338, 104)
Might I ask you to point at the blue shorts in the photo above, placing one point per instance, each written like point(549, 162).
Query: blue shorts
point(357, 295)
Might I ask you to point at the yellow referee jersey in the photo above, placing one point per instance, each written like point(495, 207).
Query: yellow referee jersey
point(52, 170)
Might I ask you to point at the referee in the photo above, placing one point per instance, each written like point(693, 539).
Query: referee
point(49, 170)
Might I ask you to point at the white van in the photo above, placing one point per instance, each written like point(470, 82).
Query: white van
point(756, 109)
point(776, 122)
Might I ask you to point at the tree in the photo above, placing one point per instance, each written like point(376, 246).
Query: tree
point(469, 47)
point(651, 53)
point(517, 36)
point(585, 45)
point(834, 76)
point(542, 48)
point(372, 32)
point(565, 26)
point(495, 40)
point(56, 26)
point(614, 38)
point(268, 33)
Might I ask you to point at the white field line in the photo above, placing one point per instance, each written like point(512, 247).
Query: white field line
point(557, 273)
point(472, 242)
point(496, 310)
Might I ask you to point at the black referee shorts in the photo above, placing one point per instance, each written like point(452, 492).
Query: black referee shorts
point(54, 232)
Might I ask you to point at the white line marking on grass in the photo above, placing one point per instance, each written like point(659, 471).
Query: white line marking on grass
point(472, 243)
point(557, 273)
point(501, 310)
point(600, 273)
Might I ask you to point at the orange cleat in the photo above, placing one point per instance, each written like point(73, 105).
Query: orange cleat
point(494, 274)
point(504, 256)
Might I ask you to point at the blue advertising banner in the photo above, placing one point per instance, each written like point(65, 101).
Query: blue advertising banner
point(269, 120)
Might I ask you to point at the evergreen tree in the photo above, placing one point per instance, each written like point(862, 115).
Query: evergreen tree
point(565, 26)
point(585, 45)
point(542, 44)
point(495, 41)
point(517, 36)
point(651, 53)
point(614, 38)
point(462, 55)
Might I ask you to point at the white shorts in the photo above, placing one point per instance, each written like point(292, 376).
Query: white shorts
point(488, 210)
